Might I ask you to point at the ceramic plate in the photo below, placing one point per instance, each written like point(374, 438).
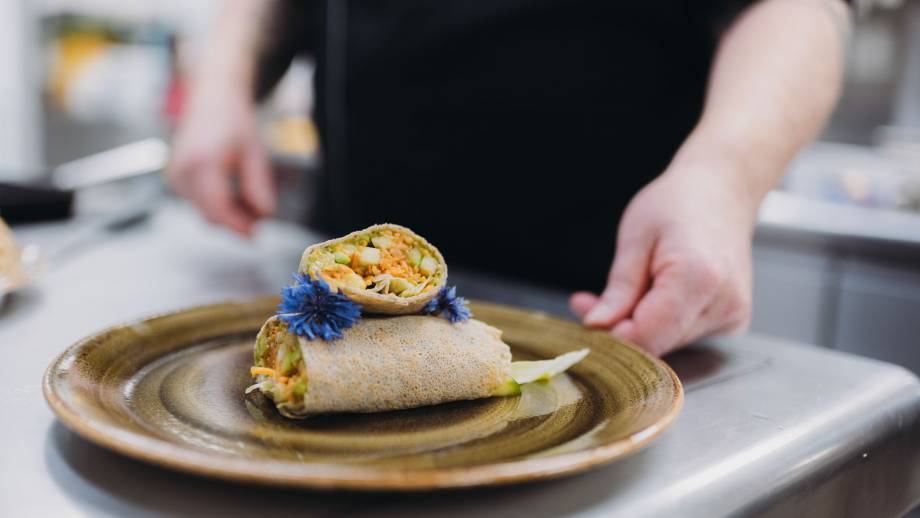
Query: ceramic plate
point(169, 390)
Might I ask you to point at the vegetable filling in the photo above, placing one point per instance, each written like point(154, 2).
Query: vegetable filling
point(279, 367)
point(383, 261)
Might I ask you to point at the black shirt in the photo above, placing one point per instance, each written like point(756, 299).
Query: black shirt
point(510, 133)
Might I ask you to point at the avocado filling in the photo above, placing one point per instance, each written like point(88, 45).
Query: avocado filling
point(388, 262)
point(279, 367)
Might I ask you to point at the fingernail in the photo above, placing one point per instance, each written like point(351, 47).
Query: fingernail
point(599, 314)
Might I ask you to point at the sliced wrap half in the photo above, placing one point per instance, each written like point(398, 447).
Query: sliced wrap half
point(381, 364)
point(388, 269)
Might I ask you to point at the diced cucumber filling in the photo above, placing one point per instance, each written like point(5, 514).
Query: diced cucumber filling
point(369, 257)
point(299, 387)
point(428, 265)
point(387, 262)
point(415, 257)
point(289, 365)
point(382, 241)
point(278, 352)
point(261, 349)
point(399, 285)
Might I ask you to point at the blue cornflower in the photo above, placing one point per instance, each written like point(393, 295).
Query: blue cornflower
point(448, 304)
point(312, 310)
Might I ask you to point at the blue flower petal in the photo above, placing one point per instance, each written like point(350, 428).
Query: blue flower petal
point(311, 309)
point(448, 304)
point(431, 307)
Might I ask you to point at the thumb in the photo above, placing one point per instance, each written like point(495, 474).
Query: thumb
point(581, 302)
point(256, 180)
point(628, 278)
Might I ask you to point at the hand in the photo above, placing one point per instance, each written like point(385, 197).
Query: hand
point(218, 143)
point(682, 268)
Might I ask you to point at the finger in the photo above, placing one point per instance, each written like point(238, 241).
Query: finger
point(726, 315)
point(628, 279)
point(581, 302)
point(214, 197)
point(258, 189)
point(665, 314)
point(177, 178)
point(626, 330)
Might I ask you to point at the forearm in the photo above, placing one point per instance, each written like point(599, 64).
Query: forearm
point(774, 82)
point(234, 45)
point(218, 161)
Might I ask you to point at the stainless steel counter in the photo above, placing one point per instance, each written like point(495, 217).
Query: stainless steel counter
point(768, 426)
point(835, 223)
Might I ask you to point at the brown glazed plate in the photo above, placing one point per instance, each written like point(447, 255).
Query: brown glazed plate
point(169, 390)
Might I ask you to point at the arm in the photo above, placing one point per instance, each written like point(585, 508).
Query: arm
point(217, 140)
point(234, 45)
point(774, 82)
point(682, 268)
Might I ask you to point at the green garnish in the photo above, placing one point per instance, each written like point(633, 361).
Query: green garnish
point(529, 371)
point(510, 388)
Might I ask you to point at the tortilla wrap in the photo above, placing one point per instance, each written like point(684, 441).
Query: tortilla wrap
point(321, 255)
point(385, 364)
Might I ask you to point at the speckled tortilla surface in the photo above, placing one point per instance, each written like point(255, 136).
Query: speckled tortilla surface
point(404, 362)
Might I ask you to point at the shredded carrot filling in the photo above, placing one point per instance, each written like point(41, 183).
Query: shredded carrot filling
point(255, 371)
point(287, 374)
point(394, 260)
point(336, 271)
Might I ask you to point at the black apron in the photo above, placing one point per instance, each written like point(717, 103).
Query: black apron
point(511, 133)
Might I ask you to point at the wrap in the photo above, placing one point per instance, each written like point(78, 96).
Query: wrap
point(387, 269)
point(381, 364)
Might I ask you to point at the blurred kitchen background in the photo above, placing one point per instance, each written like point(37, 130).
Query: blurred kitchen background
point(837, 252)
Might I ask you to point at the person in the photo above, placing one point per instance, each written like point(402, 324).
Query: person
point(540, 139)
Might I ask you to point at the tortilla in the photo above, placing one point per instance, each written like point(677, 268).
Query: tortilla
point(408, 273)
point(381, 364)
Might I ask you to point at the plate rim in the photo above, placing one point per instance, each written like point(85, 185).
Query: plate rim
point(331, 476)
